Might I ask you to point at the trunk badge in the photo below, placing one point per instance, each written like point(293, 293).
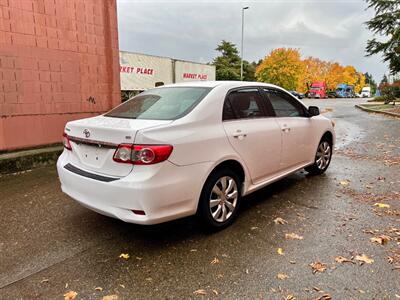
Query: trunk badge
point(86, 132)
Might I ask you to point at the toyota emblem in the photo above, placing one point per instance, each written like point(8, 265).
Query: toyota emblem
point(86, 132)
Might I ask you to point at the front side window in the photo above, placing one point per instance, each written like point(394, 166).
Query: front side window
point(284, 105)
point(167, 103)
point(243, 104)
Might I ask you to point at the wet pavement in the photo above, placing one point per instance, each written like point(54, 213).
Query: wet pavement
point(50, 245)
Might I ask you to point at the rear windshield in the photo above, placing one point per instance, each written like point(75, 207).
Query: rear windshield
point(168, 103)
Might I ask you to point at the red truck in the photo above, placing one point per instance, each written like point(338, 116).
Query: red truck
point(318, 90)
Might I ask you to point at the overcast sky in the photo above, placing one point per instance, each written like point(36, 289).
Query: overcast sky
point(332, 30)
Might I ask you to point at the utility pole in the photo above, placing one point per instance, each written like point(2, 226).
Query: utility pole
point(241, 50)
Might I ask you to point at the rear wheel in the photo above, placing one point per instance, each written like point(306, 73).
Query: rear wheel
point(220, 199)
point(322, 158)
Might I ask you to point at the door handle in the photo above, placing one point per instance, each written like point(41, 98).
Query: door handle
point(239, 134)
point(286, 129)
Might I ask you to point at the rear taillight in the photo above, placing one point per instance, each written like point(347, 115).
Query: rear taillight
point(66, 142)
point(142, 154)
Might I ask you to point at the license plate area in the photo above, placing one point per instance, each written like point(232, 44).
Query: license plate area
point(93, 155)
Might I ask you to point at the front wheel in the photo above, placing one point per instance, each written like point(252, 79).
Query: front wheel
point(220, 199)
point(322, 158)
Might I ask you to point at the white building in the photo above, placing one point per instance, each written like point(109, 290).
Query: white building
point(141, 71)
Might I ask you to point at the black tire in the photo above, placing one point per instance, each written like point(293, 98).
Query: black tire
point(316, 168)
point(204, 211)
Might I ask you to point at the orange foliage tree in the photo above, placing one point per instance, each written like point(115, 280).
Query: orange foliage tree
point(284, 67)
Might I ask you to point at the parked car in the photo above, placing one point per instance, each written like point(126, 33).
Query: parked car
point(318, 90)
point(297, 94)
point(331, 94)
point(344, 90)
point(191, 148)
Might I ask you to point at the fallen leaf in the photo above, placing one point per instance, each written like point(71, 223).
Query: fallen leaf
point(282, 276)
point(139, 258)
point(364, 259)
point(215, 292)
point(381, 240)
point(110, 297)
point(324, 297)
point(318, 267)
point(200, 292)
point(317, 289)
point(289, 297)
point(341, 259)
point(121, 285)
point(44, 280)
point(100, 289)
point(280, 251)
point(214, 261)
point(280, 221)
point(193, 250)
point(344, 182)
point(70, 295)
point(254, 228)
point(124, 256)
point(382, 205)
point(293, 236)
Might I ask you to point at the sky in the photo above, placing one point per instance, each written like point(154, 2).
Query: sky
point(331, 30)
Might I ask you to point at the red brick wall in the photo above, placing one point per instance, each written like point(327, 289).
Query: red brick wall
point(58, 62)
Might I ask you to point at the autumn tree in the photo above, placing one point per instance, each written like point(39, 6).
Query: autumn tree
point(386, 24)
point(282, 67)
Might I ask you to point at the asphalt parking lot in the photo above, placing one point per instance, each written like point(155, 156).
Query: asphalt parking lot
point(337, 235)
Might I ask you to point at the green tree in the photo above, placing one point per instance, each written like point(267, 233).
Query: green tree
point(249, 70)
point(369, 80)
point(384, 79)
point(227, 65)
point(386, 24)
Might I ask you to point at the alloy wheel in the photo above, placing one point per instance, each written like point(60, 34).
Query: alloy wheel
point(223, 199)
point(323, 155)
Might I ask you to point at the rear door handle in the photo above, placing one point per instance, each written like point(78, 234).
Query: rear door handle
point(239, 134)
point(286, 129)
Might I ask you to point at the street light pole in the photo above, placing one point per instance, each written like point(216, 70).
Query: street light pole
point(241, 50)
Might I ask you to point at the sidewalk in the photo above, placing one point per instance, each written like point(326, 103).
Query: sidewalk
point(18, 161)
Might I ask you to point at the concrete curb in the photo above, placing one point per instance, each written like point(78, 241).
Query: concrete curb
point(28, 159)
point(377, 111)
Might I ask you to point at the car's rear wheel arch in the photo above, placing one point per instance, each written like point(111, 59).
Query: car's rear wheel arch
point(233, 165)
point(232, 171)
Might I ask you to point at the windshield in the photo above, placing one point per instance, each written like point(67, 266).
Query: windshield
point(167, 103)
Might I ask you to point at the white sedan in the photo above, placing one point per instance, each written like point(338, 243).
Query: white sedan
point(191, 148)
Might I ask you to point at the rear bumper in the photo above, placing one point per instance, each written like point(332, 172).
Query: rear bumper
point(163, 191)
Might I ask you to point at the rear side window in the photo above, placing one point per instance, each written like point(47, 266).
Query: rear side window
point(284, 105)
point(243, 104)
point(167, 103)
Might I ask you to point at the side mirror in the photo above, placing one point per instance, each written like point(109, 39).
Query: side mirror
point(313, 111)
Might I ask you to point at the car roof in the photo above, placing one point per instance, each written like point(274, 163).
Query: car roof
point(212, 84)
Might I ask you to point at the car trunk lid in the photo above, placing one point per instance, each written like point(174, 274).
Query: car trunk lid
point(94, 141)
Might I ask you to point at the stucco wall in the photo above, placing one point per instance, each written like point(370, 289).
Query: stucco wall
point(59, 61)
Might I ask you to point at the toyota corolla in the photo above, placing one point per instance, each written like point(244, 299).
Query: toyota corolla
point(191, 148)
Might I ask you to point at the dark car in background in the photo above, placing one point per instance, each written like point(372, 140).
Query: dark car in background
point(297, 94)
